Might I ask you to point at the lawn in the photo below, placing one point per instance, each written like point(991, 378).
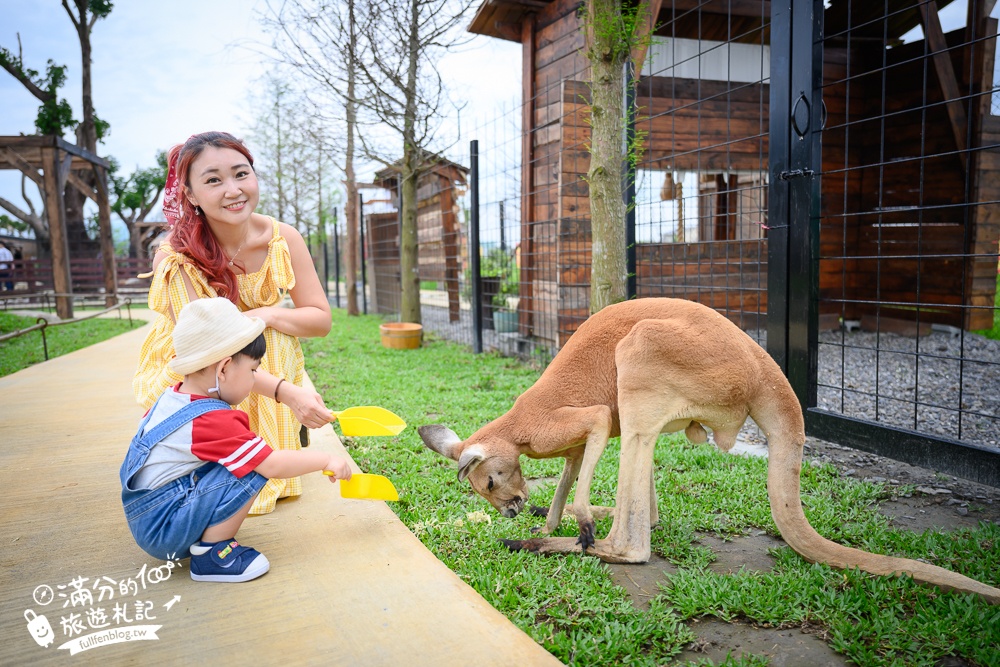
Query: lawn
point(28, 349)
point(570, 605)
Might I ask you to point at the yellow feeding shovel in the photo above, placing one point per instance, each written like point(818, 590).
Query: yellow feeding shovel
point(369, 420)
point(366, 486)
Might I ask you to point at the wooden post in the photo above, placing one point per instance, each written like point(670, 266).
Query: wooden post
point(526, 304)
point(449, 242)
point(57, 232)
point(107, 240)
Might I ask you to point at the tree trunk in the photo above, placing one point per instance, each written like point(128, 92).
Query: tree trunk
point(607, 58)
point(351, 221)
point(80, 242)
point(409, 310)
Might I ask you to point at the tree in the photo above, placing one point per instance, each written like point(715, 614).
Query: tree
point(406, 93)
point(55, 115)
point(134, 197)
point(290, 146)
point(91, 129)
point(32, 218)
point(321, 41)
point(612, 32)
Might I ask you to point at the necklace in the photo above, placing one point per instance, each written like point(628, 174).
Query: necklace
point(235, 254)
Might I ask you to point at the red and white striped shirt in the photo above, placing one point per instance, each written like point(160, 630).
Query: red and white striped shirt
point(221, 436)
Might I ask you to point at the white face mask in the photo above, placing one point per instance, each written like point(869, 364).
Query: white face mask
point(216, 390)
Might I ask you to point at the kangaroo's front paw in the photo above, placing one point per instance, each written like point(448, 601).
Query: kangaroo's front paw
point(535, 510)
point(586, 539)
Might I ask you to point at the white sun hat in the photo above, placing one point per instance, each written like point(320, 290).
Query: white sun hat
point(209, 330)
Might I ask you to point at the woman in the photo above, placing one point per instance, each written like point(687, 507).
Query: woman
point(219, 246)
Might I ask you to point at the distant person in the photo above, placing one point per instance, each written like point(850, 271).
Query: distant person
point(195, 465)
point(6, 257)
point(219, 246)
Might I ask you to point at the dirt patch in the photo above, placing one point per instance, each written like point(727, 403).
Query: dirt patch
point(790, 647)
point(939, 502)
point(642, 580)
point(750, 552)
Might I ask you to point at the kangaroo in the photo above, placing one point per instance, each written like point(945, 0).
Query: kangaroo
point(638, 369)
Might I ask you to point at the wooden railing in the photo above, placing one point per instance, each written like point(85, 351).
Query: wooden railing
point(35, 275)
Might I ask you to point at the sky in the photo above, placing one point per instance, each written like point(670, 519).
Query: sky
point(163, 71)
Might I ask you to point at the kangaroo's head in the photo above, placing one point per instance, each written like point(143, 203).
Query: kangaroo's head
point(490, 464)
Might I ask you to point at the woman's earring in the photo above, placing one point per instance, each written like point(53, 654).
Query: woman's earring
point(197, 210)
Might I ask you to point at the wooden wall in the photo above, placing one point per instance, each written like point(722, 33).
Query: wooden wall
point(895, 226)
point(440, 244)
point(690, 125)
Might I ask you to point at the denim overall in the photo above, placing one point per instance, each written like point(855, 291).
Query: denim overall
point(167, 520)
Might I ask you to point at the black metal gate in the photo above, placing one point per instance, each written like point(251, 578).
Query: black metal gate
point(882, 189)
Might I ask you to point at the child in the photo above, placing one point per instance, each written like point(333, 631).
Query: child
point(194, 468)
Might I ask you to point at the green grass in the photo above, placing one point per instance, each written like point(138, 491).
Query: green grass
point(994, 333)
point(27, 350)
point(570, 605)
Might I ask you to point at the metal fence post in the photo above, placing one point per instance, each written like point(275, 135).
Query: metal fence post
point(336, 257)
point(477, 288)
point(361, 226)
point(628, 173)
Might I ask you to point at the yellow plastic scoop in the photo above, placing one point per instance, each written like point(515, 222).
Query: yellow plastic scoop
point(369, 420)
point(366, 486)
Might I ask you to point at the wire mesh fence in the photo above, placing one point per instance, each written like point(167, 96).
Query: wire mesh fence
point(904, 221)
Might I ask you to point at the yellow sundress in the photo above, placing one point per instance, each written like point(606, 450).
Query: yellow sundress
point(273, 421)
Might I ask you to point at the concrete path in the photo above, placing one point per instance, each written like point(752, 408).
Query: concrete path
point(349, 584)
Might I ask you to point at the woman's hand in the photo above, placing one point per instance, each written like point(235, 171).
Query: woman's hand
point(265, 313)
point(306, 405)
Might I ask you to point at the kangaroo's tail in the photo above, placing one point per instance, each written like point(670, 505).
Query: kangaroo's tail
point(783, 469)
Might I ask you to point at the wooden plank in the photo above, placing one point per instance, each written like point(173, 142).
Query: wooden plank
point(22, 165)
point(526, 306)
point(931, 23)
point(647, 24)
point(59, 242)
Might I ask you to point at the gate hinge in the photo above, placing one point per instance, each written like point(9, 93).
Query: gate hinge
point(796, 173)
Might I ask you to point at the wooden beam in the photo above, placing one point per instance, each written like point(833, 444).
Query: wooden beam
point(22, 165)
point(511, 33)
point(57, 233)
point(526, 305)
point(645, 33)
point(81, 185)
point(64, 169)
point(938, 46)
point(109, 265)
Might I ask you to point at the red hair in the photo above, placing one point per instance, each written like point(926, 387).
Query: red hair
point(191, 234)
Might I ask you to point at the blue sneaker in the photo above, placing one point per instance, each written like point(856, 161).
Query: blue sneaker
point(226, 561)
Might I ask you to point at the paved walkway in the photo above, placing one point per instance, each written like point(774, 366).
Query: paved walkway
point(349, 584)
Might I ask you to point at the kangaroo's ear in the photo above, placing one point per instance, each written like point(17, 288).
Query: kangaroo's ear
point(470, 458)
point(440, 439)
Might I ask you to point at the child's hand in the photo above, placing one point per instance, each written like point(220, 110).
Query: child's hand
point(340, 468)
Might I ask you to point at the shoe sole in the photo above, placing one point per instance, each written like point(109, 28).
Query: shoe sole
point(259, 566)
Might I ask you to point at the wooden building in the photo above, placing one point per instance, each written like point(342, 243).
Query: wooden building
point(440, 246)
point(910, 160)
point(53, 164)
